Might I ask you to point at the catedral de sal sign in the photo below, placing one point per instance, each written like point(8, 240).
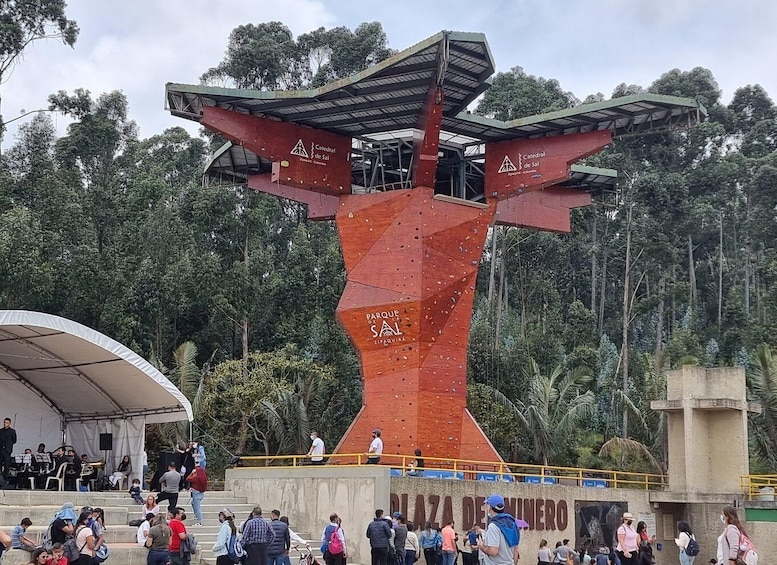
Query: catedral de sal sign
point(540, 513)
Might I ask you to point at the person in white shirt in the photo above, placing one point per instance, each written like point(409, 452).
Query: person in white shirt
point(143, 529)
point(376, 448)
point(316, 450)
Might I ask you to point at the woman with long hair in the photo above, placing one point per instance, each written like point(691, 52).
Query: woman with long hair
point(39, 557)
point(84, 539)
point(149, 507)
point(430, 539)
point(684, 537)
point(122, 471)
point(544, 554)
point(227, 530)
point(157, 541)
point(734, 541)
point(645, 551)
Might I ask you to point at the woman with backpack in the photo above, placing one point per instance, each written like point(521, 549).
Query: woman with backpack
point(227, 530)
point(683, 540)
point(734, 541)
point(333, 542)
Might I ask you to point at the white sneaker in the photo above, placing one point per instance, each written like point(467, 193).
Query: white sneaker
point(197, 524)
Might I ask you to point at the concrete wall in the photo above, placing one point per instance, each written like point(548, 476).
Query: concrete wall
point(308, 495)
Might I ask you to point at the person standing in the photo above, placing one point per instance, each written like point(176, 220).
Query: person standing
point(684, 537)
point(431, 541)
point(734, 540)
point(628, 541)
point(278, 549)
point(257, 536)
point(544, 554)
point(379, 534)
point(333, 555)
point(500, 544)
point(169, 485)
point(198, 451)
point(199, 484)
point(316, 450)
point(400, 537)
point(376, 449)
point(177, 534)
point(412, 549)
point(157, 541)
point(448, 544)
point(7, 441)
point(227, 530)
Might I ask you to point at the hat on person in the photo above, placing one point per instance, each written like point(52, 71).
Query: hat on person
point(627, 516)
point(495, 501)
point(396, 514)
point(227, 513)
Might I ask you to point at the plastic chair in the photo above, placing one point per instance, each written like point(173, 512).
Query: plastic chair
point(86, 470)
point(59, 477)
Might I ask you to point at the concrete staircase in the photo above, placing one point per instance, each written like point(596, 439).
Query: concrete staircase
point(119, 509)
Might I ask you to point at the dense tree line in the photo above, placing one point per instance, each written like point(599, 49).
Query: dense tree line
point(571, 334)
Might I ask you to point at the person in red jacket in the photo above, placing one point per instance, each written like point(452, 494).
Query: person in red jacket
point(177, 533)
point(199, 484)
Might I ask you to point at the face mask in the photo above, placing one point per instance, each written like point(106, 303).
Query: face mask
point(221, 519)
point(312, 437)
point(722, 519)
point(628, 522)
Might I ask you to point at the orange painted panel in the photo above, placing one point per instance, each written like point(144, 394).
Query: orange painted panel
point(547, 209)
point(320, 206)
point(309, 158)
point(517, 166)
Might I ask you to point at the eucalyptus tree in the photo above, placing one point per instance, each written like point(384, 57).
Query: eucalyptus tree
point(24, 23)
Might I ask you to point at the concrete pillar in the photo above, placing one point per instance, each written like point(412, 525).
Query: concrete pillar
point(706, 411)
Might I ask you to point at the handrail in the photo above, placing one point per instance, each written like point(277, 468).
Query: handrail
point(450, 468)
point(751, 485)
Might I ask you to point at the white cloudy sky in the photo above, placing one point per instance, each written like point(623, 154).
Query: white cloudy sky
point(588, 45)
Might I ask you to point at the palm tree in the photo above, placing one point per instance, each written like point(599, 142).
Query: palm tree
point(762, 387)
point(189, 379)
point(553, 407)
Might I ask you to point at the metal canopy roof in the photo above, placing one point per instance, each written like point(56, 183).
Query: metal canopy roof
point(390, 96)
point(83, 374)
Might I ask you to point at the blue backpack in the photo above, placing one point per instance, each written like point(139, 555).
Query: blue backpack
point(692, 548)
point(235, 549)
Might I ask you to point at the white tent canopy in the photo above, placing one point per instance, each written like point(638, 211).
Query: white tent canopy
point(65, 383)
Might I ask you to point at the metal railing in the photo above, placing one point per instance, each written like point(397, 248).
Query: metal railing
point(447, 468)
point(752, 486)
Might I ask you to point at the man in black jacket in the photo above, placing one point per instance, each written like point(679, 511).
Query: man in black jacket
point(7, 441)
point(379, 534)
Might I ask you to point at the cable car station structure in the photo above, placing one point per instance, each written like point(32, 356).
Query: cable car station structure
point(414, 182)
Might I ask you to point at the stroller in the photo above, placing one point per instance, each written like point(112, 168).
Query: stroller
point(306, 557)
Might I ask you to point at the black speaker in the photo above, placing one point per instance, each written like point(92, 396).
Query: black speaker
point(106, 442)
point(164, 460)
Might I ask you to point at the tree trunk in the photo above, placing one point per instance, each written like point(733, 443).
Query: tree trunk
point(500, 297)
point(748, 270)
point(691, 276)
point(720, 273)
point(491, 280)
point(602, 292)
point(660, 313)
point(593, 266)
point(626, 318)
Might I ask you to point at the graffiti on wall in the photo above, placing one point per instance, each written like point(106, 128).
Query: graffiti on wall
point(596, 522)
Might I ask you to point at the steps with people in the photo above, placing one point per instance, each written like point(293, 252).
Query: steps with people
point(118, 510)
